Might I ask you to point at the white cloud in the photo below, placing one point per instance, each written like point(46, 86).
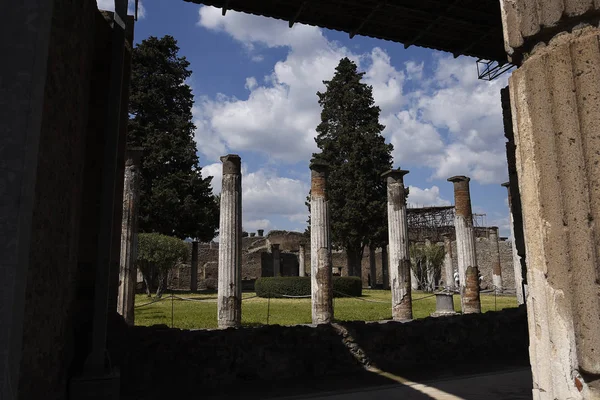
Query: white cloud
point(428, 197)
point(251, 83)
point(109, 5)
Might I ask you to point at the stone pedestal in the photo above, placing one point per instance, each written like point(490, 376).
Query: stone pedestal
point(448, 272)
point(496, 265)
point(465, 246)
point(230, 244)
point(301, 261)
point(400, 271)
point(320, 246)
point(444, 305)
point(276, 259)
point(129, 235)
point(555, 99)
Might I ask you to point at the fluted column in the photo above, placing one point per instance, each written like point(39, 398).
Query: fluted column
point(301, 256)
point(465, 246)
point(320, 246)
point(400, 271)
point(448, 268)
point(230, 244)
point(129, 235)
point(385, 262)
point(496, 265)
point(194, 267)
point(276, 259)
point(555, 99)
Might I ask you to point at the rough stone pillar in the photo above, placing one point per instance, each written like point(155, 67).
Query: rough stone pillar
point(260, 232)
point(518, 271)
point(496, 266)
point(301, 262)
point(465, 246)
point(400, 277)
point(129, 234)
point(448, 268)
point(514, 197)
point(385, 262)
point(230, 244)
point(320, 246)
point(276, 259)
point(194, 267)
point(372, 267)
point(555, 96)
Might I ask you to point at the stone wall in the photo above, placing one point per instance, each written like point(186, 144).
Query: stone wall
point(257, 261)
point(194, 362)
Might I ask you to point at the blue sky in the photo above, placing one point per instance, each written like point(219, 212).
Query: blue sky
point(255, 82)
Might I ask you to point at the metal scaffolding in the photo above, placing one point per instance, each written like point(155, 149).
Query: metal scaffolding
point(432, 222)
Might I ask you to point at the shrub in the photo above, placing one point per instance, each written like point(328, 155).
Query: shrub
point(282, 286)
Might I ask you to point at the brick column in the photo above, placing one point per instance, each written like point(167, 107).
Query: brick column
point(194, 267)
point(230, 244)
point(448, 268)
point(276, 259)
point(495, 252)
point(400, 279)
point(129, 234)
point(465, 246)
point(320, 246)
point(555, 96)
point(301, 262)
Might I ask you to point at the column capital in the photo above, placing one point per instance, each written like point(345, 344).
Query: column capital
point(505, 184)
point(395, 174)
point(320, 166)
point(232, 164)
point(133, 155)
point(459, 178)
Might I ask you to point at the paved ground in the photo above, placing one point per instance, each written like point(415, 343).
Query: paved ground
point(514, 384)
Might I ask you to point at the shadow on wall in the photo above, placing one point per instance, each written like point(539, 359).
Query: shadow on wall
point(288, 263)
point(212, 361)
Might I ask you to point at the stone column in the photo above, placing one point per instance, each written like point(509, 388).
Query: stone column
point(320, 246)
point(514, 198)
point(129, 234)
point(465, 246)
point(555, 96)
point(260, 232)
point(194, 267)
point(276, 259)
point(301, 255)
point(518, 272)
point(385, 262)
point(448, 268)
point(372, 267)
point(400, 279)
point(230, 244)
point(495, 252)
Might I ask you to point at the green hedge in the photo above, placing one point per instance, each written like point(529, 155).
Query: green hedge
point(281, 286)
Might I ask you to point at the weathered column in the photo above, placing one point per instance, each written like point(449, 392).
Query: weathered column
point(230, 244)
point(514, 198)
point(320, 246)
point(194, 267)
point(260, 232)
point(496, 266)
point(555, 96)
point(301, 255)
point(400, 270)
point(448, 268)
point(129, 234)
point(465, 246)
point(276, 259)
point(385, 262)
point(372, 267)
point(518, 272)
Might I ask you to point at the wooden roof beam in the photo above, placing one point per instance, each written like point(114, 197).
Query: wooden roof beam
point(293, 20)
point(368, 17)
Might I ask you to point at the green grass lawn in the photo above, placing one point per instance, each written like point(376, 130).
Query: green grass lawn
point(374, 305)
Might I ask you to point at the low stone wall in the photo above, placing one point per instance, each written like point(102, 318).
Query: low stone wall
point(193, 362)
